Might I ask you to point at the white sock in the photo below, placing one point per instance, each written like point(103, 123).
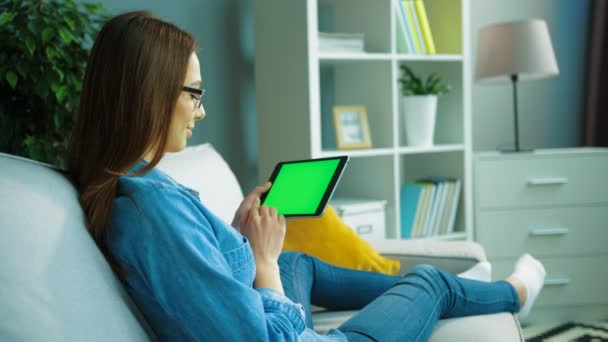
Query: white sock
point(532, 273)
point(480, 271)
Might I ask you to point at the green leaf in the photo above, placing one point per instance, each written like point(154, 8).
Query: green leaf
point(70, 23)
point(30, 44)
point(59, 73)
point(7, 17)
point(47, 34)
point(65, 36)
point(50, 53)
point(54, 86)
point(30, 26)
point(12, 79)
point(61, 93)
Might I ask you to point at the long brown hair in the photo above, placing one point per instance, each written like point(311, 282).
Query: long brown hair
point(134, 75)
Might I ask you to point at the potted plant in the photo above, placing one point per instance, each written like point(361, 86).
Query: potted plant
point(419, 105)
point(45, 45)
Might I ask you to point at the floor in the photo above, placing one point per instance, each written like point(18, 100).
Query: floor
point(536, 329)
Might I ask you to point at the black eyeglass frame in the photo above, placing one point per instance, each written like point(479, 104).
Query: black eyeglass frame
point(196, 91)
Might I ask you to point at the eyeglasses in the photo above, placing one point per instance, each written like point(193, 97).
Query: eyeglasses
point(198, 100)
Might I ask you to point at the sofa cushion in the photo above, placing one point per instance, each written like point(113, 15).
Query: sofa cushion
point(201, 168)
point(55, 285)
point(497, 327)
point(331, 240)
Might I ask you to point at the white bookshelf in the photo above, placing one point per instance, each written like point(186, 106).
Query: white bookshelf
point(297, 85)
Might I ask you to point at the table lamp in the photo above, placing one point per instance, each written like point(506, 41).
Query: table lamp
point(515, 51)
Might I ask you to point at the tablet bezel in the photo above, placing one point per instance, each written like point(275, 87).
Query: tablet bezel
point(331, 187)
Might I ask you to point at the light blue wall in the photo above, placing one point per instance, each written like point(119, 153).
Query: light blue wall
point(551, 110)
point(224, 31)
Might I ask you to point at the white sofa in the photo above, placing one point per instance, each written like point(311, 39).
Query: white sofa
point(56, 286)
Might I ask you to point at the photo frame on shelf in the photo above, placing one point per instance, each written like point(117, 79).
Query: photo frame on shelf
point(351, 127)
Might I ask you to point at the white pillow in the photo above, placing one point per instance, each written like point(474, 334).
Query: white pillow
point(201, 168)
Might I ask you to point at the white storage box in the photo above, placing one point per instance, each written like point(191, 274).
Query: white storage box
point(365, 216)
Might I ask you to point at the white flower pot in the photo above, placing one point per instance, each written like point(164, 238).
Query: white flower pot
point(419, 113)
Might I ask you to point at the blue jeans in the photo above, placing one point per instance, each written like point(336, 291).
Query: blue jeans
point(391, 308)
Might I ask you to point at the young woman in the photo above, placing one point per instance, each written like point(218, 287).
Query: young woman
point(194, 276)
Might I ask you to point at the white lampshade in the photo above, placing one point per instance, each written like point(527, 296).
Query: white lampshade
point(521, 48)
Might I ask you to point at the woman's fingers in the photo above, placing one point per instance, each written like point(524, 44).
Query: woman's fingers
point(254, 212)
point(264, 211)
point(273, 212)
point(260, 189)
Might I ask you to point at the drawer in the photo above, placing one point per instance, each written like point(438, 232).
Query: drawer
point(541, 181)
point(567, 231)
point(569, 281)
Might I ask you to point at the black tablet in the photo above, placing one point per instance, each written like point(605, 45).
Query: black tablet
point(303, 187)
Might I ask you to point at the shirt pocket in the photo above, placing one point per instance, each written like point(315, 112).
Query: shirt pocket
point(241, 262)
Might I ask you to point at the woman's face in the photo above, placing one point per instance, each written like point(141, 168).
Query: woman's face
point(185, 114)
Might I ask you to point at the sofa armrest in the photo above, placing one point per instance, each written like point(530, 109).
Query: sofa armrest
point(451, 256)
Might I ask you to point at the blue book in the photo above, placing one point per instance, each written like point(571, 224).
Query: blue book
point(417, 27)
point(405, 29)
point(410, 201)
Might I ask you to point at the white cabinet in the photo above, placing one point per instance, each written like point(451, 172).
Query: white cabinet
point(552, 204)
point(297, 86)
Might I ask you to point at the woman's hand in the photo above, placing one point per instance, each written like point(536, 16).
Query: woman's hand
point(242, 213)
point(265, 230)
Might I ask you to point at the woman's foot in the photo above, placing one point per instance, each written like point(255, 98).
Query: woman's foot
point(480, 271)
point(527, 279)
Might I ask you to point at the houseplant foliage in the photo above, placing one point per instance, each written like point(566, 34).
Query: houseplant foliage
point(419, 105)
point(45, 45)
point(412, 85)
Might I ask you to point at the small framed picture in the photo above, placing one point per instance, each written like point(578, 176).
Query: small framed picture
point(352, 128)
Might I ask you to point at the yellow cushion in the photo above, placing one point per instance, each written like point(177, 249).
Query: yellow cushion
point(331, 240)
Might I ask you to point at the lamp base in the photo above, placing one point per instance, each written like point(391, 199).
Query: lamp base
point(512, 150)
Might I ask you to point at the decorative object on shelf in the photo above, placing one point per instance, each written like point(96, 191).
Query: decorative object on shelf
point(45, 45)
point(352, 127)
point(419, 105)
point(512, 52)
point(367, 217)
point(341, 42)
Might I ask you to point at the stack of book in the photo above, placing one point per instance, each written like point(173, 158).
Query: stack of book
point(341, 42)
point(429, 206)
point(415, 27)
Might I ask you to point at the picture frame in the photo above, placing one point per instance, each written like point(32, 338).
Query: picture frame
point(351, 127)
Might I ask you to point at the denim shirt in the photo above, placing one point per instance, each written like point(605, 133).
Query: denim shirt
point(192, 274)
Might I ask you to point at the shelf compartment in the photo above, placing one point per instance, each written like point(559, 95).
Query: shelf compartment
point(358, 16)
point(449, 123)
point(449, 164)
point(357, 83)
point(443, 17)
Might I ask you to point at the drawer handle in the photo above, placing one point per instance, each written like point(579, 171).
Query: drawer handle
point(547, 181)
point(364, 229)
point(557, 280)
point(548, 231)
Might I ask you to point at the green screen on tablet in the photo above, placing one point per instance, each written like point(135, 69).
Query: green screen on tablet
point(303, 187)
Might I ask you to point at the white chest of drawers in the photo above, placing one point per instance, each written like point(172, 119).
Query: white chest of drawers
point(552, 204)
